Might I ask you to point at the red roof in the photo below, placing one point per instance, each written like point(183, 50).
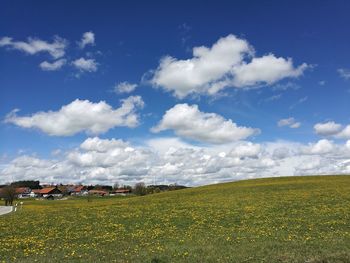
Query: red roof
point(22, 190)
point(44, 190)
point(47, 190)
point(79, 188)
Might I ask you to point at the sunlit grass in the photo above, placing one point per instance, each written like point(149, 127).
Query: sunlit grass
point(298, 219)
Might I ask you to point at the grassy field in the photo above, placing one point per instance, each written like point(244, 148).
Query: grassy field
point(292, 219)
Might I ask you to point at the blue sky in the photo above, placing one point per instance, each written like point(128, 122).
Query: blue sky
point(285, 85)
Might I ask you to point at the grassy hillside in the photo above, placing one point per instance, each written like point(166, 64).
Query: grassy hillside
point(298, 219)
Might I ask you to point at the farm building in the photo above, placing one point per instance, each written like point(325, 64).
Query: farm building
point(48, 192)
point(23, 192)
point(79, 190)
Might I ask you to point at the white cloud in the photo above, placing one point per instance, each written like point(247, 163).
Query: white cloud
point(165, 144)
point(81, 115)
point(56, 65)
point(89, 65)
point(321, 147)
point(99, 145)
point(88, 38)
point(327, 128)
point(34, 45)
point(265, 70)
point(230, 62)
point(332, 129)
point(124, 87)
point(344, 134)
point(289, 122)
point(348, 144)
point(344, 73)
point(170, 160)
point(246, 149)
point(189, 122)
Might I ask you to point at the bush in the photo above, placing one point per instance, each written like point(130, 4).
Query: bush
point(140, 189)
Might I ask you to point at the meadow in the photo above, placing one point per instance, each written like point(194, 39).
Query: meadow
point(290, 219)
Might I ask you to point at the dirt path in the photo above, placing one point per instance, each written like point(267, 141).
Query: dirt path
point(5, 210)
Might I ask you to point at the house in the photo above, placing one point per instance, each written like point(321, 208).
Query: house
point(48, 192)
point(23, 192)
point(79, 190)
point(122, 192)
point(98, 192)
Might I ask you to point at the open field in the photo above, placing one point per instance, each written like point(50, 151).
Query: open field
point(292, 219)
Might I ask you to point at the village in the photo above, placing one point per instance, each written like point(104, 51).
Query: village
point(33, 189)
point(54, 192)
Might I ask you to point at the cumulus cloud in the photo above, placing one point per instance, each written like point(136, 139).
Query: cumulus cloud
point(88, 38)
point(344, 73)
point(189, 122)
point(34, 45)
point(89, 65)
point(321, 147)
point(289, 122)
point(81, 115)
point(170, 160)
point(333, 129)
point(56, 65)
point(327, 128)
point(230, 62)
point(344, 133)
point(265, 70)
point(124, 87)
point(246, 149)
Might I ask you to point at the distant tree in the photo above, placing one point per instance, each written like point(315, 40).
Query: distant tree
point(140, 189)
point(8, 193)
point(90, 187)
point(103, 187)
point(27, 183)
point(128, 187)
point(116, 186)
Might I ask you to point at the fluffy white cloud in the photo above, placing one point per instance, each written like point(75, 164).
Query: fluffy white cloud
point(170, 160)
point(56, 65)
point(87, 39)
point(344, 133)
point(321, 147)
point(348, 144)
point(344, 73)
point(81, 115)
point(332, 129)
point(327, 128)
point(265, 70)
point(289, 122)
point(89, 65)
point(165, 144)
point(230, 62)
point(34, 45)
point(189, 122)
point(246, 149)
point(124, 87)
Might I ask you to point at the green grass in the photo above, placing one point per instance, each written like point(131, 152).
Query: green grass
point(291, 219)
